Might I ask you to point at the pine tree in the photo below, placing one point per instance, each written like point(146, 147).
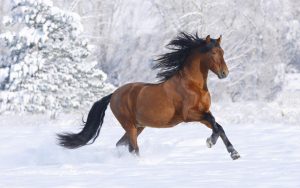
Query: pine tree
point(46, 65)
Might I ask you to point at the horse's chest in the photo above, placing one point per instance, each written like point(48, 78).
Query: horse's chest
point(203, 102)
point(195, 105)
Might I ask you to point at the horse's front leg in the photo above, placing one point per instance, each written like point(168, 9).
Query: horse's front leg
point(233, 153)
point(217, 130)
point(209, 120)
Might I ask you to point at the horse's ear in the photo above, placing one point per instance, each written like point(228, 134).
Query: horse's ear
point(207, 39)
point(219, 40)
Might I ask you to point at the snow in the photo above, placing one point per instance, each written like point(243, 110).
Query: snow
point(3, 74)
point(173, 157)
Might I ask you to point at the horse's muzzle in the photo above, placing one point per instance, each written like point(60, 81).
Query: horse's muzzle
point(223, 74)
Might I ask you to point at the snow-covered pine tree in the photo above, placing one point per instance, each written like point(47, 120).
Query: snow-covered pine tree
point(46, 65)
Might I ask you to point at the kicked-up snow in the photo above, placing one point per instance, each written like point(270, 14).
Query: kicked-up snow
point(173, 157)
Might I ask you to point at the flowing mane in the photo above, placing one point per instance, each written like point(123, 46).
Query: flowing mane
point(181, 46)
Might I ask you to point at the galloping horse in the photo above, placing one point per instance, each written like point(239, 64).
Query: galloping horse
point(181, 96)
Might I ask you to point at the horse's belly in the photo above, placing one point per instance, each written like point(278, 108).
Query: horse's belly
point(154, 109)
point(153, 117)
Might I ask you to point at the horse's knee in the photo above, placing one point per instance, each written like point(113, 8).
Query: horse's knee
point(210, 121)
point(220, 128)
point(208, 117)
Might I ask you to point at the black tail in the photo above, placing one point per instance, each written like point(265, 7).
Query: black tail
point(91, 128)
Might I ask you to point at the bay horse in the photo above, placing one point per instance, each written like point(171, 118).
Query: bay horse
point(180, 96)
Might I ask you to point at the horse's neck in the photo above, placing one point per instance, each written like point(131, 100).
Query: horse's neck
point(192, 75)
point(195, 72)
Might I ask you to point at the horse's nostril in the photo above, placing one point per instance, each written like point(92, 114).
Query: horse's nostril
point(223, 74)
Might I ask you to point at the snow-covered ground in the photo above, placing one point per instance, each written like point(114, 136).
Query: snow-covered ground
point(174, 157)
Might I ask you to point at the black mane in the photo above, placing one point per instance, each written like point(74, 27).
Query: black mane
point(172, 62)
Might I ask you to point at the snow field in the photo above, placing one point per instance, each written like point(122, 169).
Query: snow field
point(174, 157)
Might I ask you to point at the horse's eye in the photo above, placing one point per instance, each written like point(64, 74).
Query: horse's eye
point(214, 53)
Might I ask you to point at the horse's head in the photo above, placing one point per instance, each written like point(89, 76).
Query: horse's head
point(214, 57)
point(189, 52)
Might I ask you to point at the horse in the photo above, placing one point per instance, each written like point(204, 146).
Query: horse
point(181, 95)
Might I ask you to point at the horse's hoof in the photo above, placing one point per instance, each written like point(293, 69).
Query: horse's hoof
point(135, 154)
point(209, 142)
point(235, 155)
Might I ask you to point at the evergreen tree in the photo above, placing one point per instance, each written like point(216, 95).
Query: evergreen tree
point(46, 65)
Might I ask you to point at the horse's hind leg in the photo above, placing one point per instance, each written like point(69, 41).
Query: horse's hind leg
point(124, 141)
point(132, 135)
